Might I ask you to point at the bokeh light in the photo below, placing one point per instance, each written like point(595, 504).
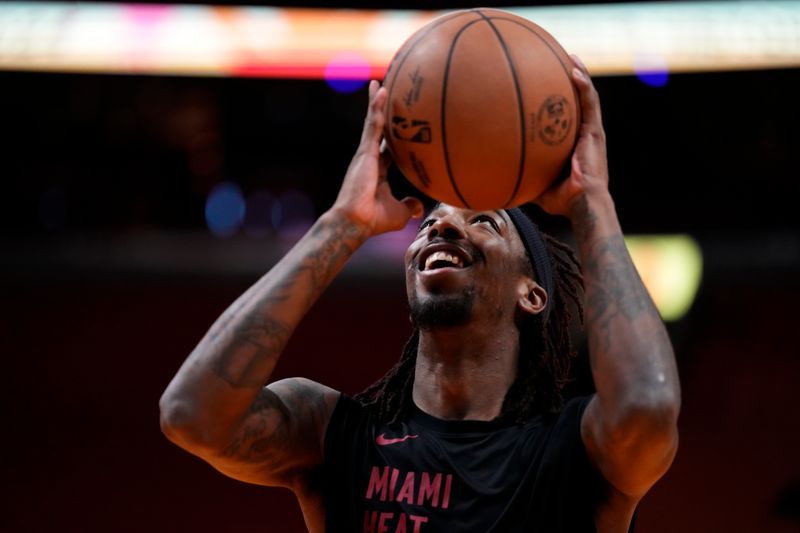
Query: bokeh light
point(293, 215)
point(225, 209)
point(651, 69)
point(347, 72)
point(258, 220)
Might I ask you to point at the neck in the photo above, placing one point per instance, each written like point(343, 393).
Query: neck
point(464, 372)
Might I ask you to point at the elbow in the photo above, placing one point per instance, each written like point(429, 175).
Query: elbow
point(653, 415)
point(177, 423)
point(173, 416)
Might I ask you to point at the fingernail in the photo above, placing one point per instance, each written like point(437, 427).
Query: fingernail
point(576, 72)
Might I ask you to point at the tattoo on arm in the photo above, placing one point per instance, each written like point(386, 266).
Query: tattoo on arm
point(254, 332)
point(275, 425)
point(617, 290)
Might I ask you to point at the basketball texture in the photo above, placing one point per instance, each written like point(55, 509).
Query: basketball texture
point(482, 111)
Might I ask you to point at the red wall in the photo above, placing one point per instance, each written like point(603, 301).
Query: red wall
point(89, 361)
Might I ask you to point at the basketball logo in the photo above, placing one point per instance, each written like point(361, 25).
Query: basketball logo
point(415, 131)
point(481, 110)
point(555, 120)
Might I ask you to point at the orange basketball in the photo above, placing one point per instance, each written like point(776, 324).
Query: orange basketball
point(482, 111)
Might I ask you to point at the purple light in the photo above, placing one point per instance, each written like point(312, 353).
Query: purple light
point(225, 209)
point(258, 214)
point(653, 79)
point(293, 215)
point(651, 70)
point(347, 72)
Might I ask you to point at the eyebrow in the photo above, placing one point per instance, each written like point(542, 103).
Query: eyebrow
point(498, 212)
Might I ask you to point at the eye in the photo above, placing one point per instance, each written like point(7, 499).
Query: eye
point(425, 224)
point(486, 218)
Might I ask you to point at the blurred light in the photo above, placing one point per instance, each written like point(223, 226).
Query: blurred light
point(300, 43)
point(671, 267)
point(53, 209)
point(225, 209)
point(651, 70)
point(296, 215)
point(258, 214)
point(347, 72)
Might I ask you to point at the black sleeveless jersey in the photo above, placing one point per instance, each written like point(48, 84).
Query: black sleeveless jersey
point(425, 474)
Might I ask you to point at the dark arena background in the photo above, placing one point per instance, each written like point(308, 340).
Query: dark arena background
point(119, 249)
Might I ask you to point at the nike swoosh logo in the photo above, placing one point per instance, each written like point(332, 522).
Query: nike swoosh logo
point(383, 441)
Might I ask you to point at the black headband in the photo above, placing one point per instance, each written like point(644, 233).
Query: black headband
point(536, 247)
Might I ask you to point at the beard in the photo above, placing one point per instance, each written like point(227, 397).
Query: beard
point(442, 310)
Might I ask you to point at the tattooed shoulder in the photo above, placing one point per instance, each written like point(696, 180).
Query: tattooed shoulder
point(285, 426)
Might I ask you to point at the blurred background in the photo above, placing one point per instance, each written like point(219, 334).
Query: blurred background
point(155, 160)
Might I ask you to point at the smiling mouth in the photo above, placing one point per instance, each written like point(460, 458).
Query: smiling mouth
point(439, 260)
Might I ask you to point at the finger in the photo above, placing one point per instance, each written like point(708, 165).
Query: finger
point(579, 63)
point(385, 160)
point(414, 206)
point(373, 123)
point(590, 101)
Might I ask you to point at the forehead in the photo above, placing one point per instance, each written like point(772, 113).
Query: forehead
point(512, 235)
point(442, 209)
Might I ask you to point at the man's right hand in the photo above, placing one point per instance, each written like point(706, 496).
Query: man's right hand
point(217, 406)
point(365, 197)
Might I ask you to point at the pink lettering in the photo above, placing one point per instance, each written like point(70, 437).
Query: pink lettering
point(401, 524)
point(447, 484)
point(375, 522)
point(370, 519)
point(383, 527)
point(429, 490)
point(378, 482)
point(418, 521)
point(407, 490)
point(395, 473)
point(385, 485)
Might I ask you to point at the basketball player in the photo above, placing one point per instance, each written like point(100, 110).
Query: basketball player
point(468, 433)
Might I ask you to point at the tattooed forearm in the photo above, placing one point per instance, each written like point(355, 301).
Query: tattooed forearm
point(617, 292)
point(258, 341)
point(251, 335)
point(628, 344)
point(205, 408)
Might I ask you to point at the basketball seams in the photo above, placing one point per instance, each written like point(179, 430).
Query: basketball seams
point(443, 109)
point(433, 25)
point(445, 43)
point(567, 71)
point(520, 105)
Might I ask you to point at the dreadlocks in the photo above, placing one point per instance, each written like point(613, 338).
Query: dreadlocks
point(545, 353)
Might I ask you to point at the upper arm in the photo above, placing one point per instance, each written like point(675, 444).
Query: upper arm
point(281, 436)
point(631, 452)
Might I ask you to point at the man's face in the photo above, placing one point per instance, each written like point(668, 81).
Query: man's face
point(464, 265)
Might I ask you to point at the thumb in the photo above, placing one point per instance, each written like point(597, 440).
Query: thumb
point(414, 206)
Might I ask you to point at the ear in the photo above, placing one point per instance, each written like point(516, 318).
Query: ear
point(532, 297)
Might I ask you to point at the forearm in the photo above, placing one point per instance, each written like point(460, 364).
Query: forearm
point(229, 367)
point(631, 356)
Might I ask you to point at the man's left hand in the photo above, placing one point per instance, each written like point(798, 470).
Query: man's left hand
point(589, 174)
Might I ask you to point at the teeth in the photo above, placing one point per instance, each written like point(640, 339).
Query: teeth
point(442, 256)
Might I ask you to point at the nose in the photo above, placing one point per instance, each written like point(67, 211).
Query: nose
point(447, 228)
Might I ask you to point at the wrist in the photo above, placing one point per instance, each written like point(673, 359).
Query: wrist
point(593, 214)
point(352, 231)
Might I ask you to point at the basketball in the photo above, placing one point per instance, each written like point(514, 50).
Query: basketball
point(482, 112)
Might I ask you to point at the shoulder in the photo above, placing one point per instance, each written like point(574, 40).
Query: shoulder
point(346, 418)
point(307, 404)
